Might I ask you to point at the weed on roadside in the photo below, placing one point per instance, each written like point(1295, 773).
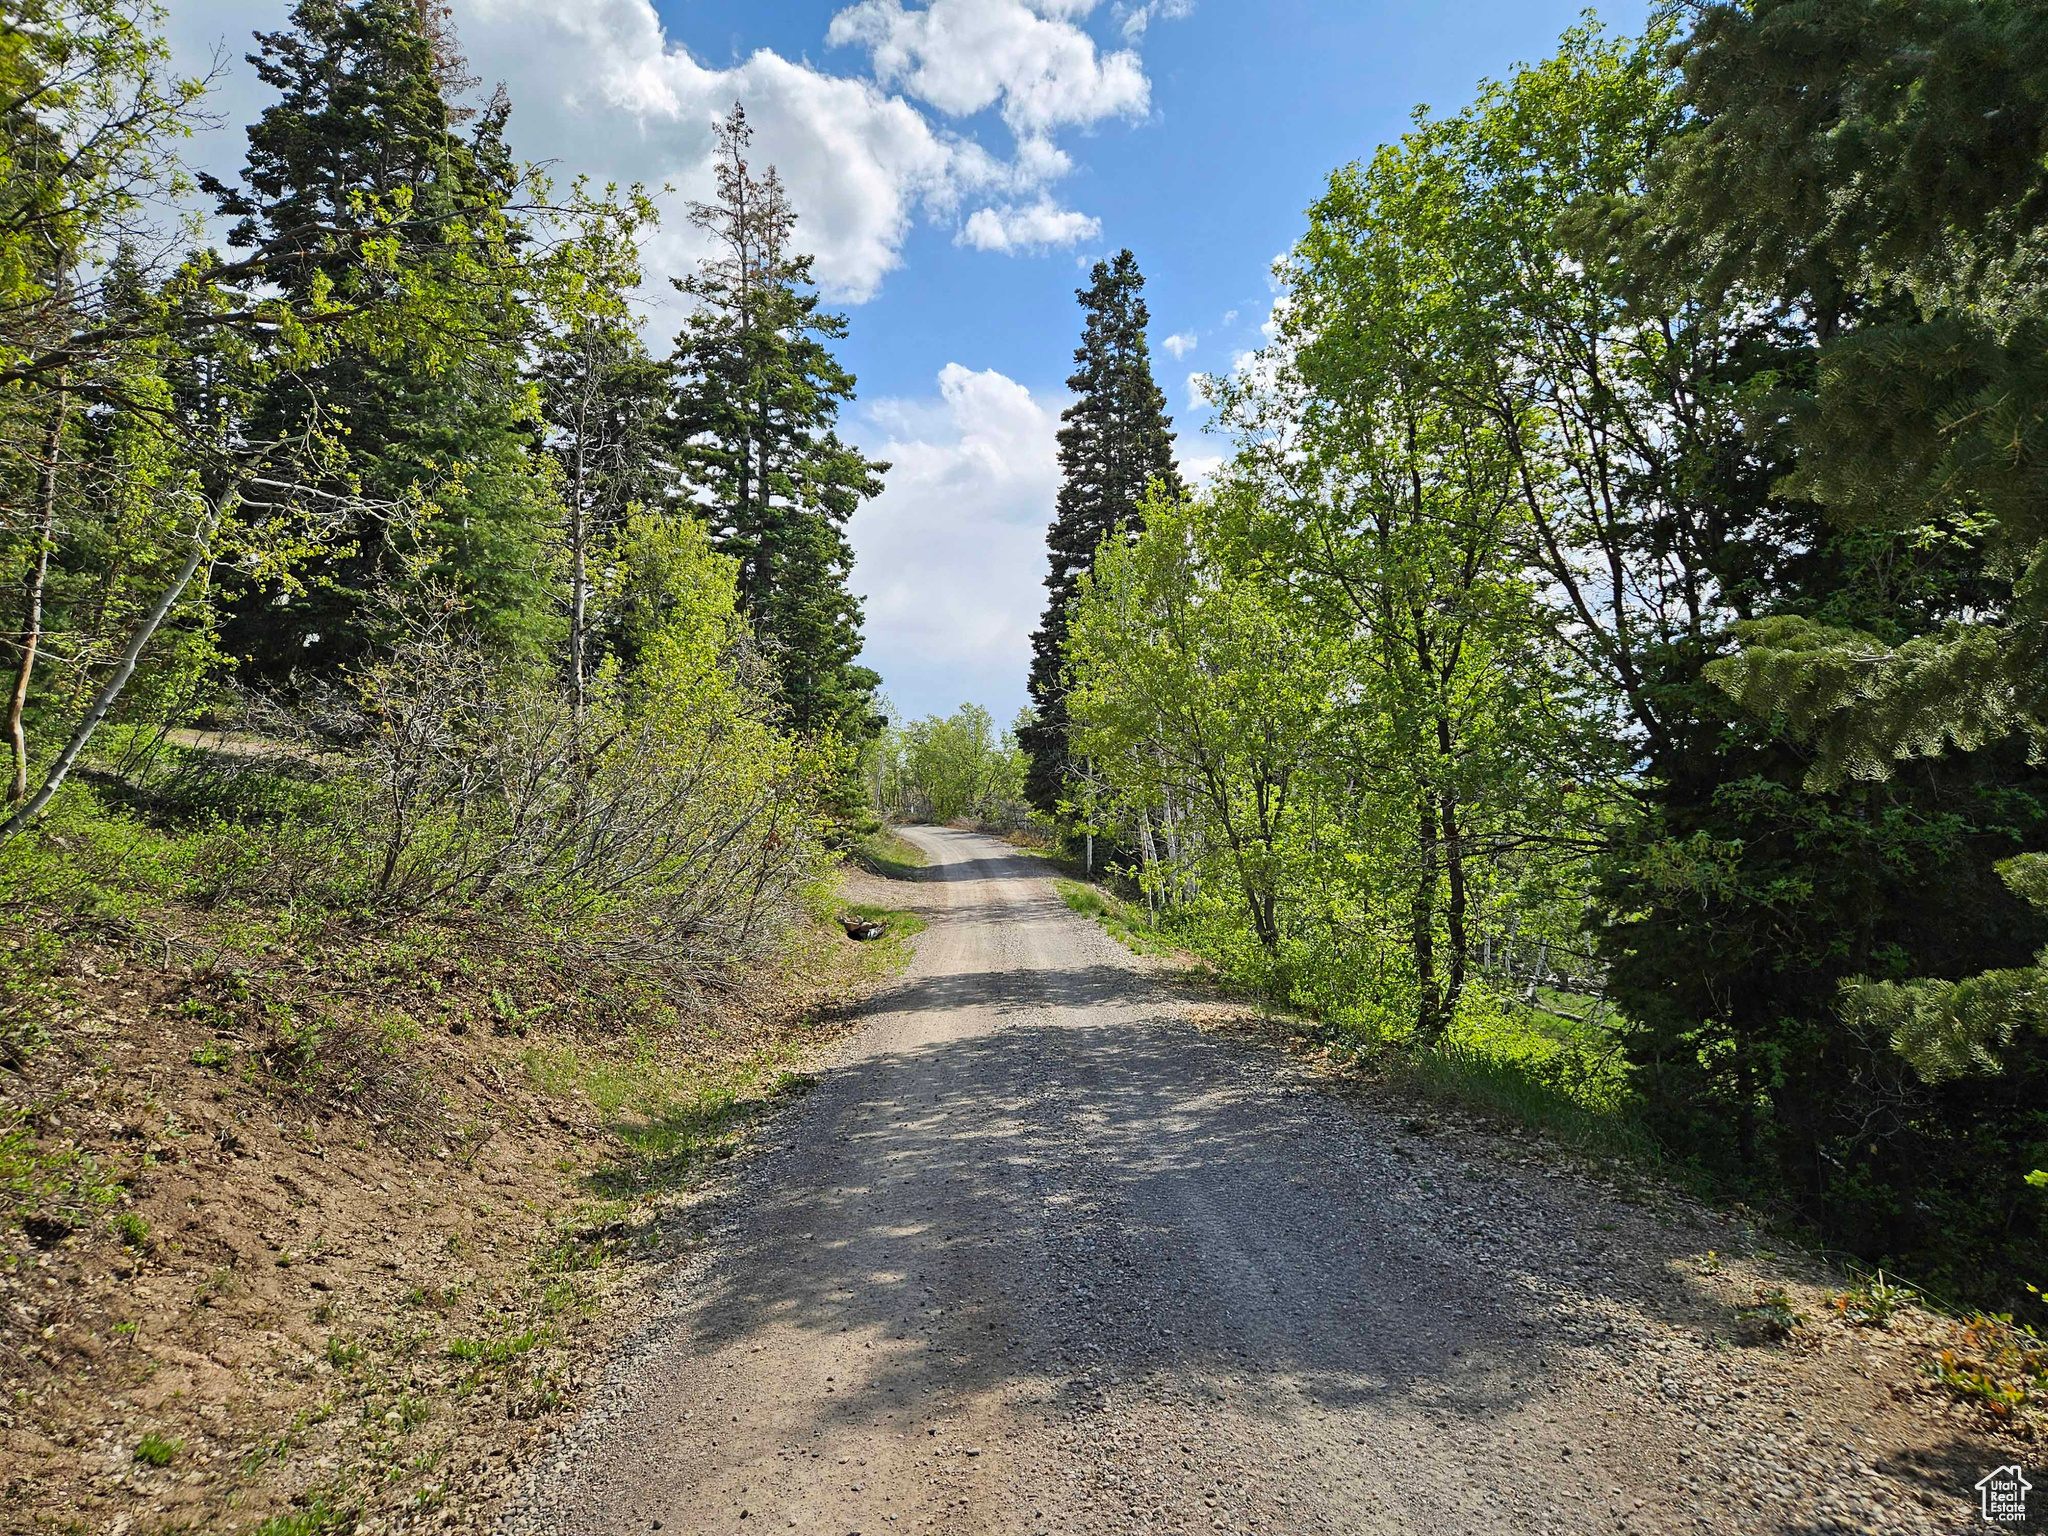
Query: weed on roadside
point(1129, 925)
point(893, 950)
point(497, 1351)
point(320, 1517)
point(1771, 1315)
point(1873, 1303)
point(890, 855)
point(1999, 1365)
point(131, 1229)
point(157, 1450)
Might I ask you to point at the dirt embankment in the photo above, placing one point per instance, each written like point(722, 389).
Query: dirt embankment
point(326, 1237)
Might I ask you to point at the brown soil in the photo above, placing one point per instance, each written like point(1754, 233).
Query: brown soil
point(320, 1229)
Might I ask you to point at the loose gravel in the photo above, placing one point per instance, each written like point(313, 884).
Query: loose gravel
point(1056, 1249)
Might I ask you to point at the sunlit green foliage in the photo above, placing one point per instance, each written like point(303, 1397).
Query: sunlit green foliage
point(361, 482)
point(943, 768)
point(1663, 348)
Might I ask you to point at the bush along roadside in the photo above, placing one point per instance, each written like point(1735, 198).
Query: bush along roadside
point(316, 1232)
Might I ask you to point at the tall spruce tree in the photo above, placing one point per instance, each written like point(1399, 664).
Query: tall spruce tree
point(360, 191)
point(1116, 442)
point(752, 434)
point(1900, 147)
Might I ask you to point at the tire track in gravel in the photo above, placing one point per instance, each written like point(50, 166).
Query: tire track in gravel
point(1040, 1256)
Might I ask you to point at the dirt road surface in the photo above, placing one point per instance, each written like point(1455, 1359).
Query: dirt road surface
point(1043, 1255)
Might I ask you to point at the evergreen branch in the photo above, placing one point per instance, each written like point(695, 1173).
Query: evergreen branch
point(1867, 706)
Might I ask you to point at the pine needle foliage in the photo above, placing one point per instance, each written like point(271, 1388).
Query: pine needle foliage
point(752, 430)
point(1115, 445)
point(1885, 164)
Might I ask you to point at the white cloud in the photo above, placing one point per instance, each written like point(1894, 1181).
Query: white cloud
point(600, 87)
point(1038, 226)
point(1028, 58)
point(1198, 394)
point(950, 554)
point(1138, 17)
point(1181, 343)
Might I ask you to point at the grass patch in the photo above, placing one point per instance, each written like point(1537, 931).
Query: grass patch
point(497, 1351)
point(1130, 925)
point(893, 950)
point(157, 1450)
point(1564, 1079)
point(670, 1119)
point(889, 854)
point(131, 1229)
point(895, 919)
point(319, 1518)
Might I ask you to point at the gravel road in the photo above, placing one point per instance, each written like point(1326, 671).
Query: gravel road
point(1043, 1254)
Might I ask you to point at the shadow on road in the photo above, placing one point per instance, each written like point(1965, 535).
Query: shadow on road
point(1082, 1203)
point(1068, 1190)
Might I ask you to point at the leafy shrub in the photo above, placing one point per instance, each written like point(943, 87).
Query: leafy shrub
point(131, 1229)
point(1771, 1314)
point(2001, 1365)
point(1873, 1303)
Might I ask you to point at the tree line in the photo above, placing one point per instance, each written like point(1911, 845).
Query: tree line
point(1628, 552)
point(946, 768)
point(498, 603)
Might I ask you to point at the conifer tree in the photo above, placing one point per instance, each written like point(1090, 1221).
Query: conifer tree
point(1115, 444)
point(602, 398)
point(359, 191)
point(756, 402)
point(1901, 148)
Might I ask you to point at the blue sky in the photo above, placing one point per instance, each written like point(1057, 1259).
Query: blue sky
point(956, 165)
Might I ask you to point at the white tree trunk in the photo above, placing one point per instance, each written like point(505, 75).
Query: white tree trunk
point(60, 770)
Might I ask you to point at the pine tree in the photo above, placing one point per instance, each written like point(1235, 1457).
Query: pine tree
point(601, 403)
point(756, 401)
point(1115, 444)
point(360, 192)
point(602, 398)
point(1898, 146)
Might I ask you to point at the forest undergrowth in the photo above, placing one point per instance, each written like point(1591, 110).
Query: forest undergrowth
point(322, 1222)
